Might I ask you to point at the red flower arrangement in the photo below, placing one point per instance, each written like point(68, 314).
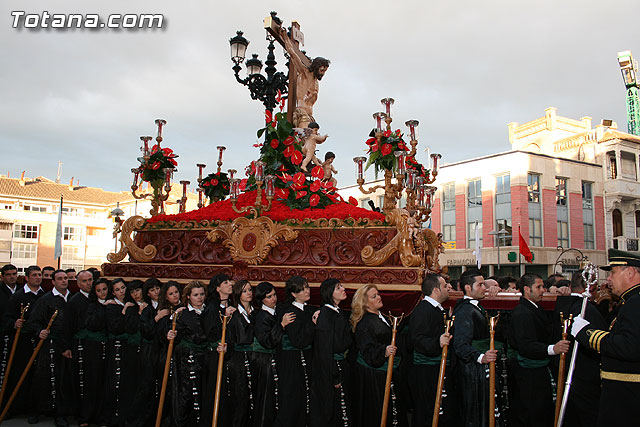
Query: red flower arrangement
point(381, 153)
point(152, 170)
point(216, 186)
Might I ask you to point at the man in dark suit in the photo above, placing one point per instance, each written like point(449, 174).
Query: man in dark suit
point(619, 346)
point(427, 336)
point(531, 338)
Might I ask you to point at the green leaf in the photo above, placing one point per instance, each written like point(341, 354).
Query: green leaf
point(261, 131)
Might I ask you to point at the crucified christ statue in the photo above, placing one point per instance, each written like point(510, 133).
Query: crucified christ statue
point(306, 81)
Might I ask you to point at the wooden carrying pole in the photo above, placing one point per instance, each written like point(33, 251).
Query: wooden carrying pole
point(492, 373)
point(165, 376)
point(216, 403)
point(443, 365)
point(23, 310)
point(26, 368)
point(387, 386)
point(561, 368)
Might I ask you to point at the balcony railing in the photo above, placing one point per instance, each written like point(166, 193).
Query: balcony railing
point(624, 243)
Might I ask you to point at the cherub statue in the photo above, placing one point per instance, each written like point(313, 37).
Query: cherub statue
point(328, 168)
point(309, 147)
point(413, 226)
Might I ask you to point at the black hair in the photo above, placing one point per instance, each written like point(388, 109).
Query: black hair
point(313, 125)
point(31, 269)
point(53, 276)
point(469, 278)
point(237, 288)
point(8, 267)
point(577, 281)
point(503, 282)
point(112, 284)
point(326, 290)
point(563, 282)
point(213, 297)
point(262, 290)
point(329, 155)
point(551, 280)
point(48, 267)
point(162, 298)
point(429, 283)
point(294, 285)
point(70, 270)
point(95, 272)
point(527, 280)
point(148, 284)
point(93, 296)
point(131, 286)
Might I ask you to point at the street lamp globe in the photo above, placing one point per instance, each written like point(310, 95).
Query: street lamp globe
point(238, 47)
point(254, 65)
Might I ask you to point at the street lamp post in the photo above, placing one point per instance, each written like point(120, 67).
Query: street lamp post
point(264, 89)
point(500, 234)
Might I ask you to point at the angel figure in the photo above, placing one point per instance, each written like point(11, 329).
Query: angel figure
point(309, 147)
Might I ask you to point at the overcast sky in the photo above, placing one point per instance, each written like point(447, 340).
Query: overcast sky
point(464, 69)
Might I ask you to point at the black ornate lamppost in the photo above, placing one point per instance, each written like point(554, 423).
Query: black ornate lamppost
point(264, 89)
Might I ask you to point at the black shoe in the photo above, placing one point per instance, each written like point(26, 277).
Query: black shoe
point(61, 422)
point(33, 419)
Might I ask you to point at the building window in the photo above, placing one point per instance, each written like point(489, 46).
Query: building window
point(561, 191)
point(637, 224)
point(449, 197)
point(563, 234)
point(533, 186)
point(612, 165)
point(67, 211)
point(23, 231)
point(535, 232)
point(74, 234)
point(6, 206)
point(474, 193)
point(589, 241)
point(503, 189)
point(504, 224)
point(380, 202)
point(587, 195)
point(35, 208)
point(617, 222)
point(25, 250)
point(449, 233)
point(472, 233)
point(364, 203)
point(628, 163)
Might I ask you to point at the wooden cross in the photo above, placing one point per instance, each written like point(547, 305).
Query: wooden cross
point(273, 27)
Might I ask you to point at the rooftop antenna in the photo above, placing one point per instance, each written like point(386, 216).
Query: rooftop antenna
point(59, 172)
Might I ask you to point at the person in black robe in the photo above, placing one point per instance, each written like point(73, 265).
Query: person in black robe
point(51, 389)
point(218, 304)
point(169, 301)
point(294, 360)
point(240, 334)
point(618, 345)
point(331, 389)
point(373, 340)
point(189, 356)
point(427, 337)
point(145, 400)
point(267, 339)
point(471, 349)
point(24, 297)
point(584, 396)
point(118, 395)
point(135, 304)
point(532, 402)
point(8, 279)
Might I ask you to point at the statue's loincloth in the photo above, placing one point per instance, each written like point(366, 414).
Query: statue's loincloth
point(300, 115)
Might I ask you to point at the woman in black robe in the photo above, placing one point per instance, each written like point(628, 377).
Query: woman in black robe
point(168, 304)
point(373, 337)
point(331, 341)
point(240, 333)
point(118, 388)
point(267, 338)
point(295, 356)
point(189, 355)
point(145, 400)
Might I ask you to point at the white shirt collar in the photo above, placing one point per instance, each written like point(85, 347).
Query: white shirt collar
point(333, 307)
point(269, 310)
point(86, 294)
point(197, 310)
point(154, 304)
point(299, 305)
point(432, 302)
point(58, 294)
point(472, 301)
point(28, 289)
point(383, 319)
point(534, 304)
point(12, 290)
point(102, 301)
point(575, 294)
point(244, 313)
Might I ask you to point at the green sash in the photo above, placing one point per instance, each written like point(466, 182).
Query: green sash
point(258, 348)
point(532, 363)
point(85, 334)
point(185, 343)
point(244, 348)
point(286, 344)
point(421, 359)
point(340, 356)
point(396, 363)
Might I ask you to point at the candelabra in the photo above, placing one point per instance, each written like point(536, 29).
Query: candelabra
point(258, 207)
point(418, 193)
point(161, 187)
point(183, 200)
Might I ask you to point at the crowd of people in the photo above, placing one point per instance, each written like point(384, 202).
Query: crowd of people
point(290, 364)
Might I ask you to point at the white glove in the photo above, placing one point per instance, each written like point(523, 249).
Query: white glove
point(578, 324)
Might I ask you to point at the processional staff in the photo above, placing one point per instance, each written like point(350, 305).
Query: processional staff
point(492, 372)
point(26, 368)
point(562, 366)
point(387, 387)
point(216, 404)
point(167, 365)
point(590, 276)
point(23, 310)
point(443, 364)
